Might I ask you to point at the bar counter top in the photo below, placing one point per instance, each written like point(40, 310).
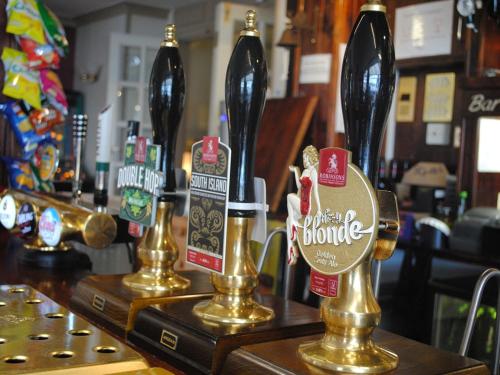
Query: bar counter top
point(269, 358)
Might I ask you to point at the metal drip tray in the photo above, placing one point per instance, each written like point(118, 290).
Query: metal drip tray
point(39, 336)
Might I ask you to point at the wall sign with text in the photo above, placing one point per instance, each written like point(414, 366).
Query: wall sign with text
point(439, 96)
point(407, 91)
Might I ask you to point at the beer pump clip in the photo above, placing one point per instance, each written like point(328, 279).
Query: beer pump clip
point(337, 219)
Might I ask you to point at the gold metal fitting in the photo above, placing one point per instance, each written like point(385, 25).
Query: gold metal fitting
point(170, 40)
point(96, 229)
point(232, 302)
point(250, 25)
point(31, 320)
point(350, 319)
point(389, 225)
point(36, 244)
point(347, 346)
point(373, 6)
point(158, 252)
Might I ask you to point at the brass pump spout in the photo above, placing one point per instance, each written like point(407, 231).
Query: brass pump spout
point(95, 229)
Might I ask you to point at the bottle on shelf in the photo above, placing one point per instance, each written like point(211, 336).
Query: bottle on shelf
point(462, 205)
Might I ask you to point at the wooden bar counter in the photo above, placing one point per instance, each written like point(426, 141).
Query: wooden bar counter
point(269, 358)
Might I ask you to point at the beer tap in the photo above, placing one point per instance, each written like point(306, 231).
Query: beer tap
point(103, 158)
point(367, 85)
point(157, 249)
point(246, 83)
point(79, 135)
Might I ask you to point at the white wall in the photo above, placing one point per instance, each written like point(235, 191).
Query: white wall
point(197, 66)
point(280, 55)
point(143, 25)
point(91, 52)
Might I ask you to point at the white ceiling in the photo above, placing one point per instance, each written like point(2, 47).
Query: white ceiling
point(70, 9)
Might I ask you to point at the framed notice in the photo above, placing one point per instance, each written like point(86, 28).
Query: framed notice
point(423, 30)
point(407, 89)
point(438, 98)
point(208, 204)
point(315, 68)
point(437, 134)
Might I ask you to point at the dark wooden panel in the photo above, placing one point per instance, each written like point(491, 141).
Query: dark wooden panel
point(120, 304)
point(487, 189)
point(415, 358)
point(488, 54)
point(284, 125)
point(482, 187)
point(202, 346)
point(67, 67)
point(331, 22)
point(410, 136)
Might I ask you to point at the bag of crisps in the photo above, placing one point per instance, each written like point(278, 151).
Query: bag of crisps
point(43, 120)
point(54, 29)
point(20, 174)
point(45, 161)
point(23, 19)
point(20, 81)
point(40, 56)
point(52, 88)
point(21, 125)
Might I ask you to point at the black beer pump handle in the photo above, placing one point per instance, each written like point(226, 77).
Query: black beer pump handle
point(246, 83)
point(166, 103)
point(367, 85)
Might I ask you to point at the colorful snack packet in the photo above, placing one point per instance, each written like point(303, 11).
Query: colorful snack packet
point(40, 56)
point(20, 174)
point(21, 125)
point(20, 81)
point(54, 29)
point(43, 120)
point(45, 161)
point(52, 88)
point(43, 186)
point(24, 20)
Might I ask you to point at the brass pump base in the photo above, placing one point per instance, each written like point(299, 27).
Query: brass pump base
point(350, 319)
point(158, 253)
point(369, 359)
point(233, 310)
point(36, 244)
point(153, 282)
point(232, 302)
